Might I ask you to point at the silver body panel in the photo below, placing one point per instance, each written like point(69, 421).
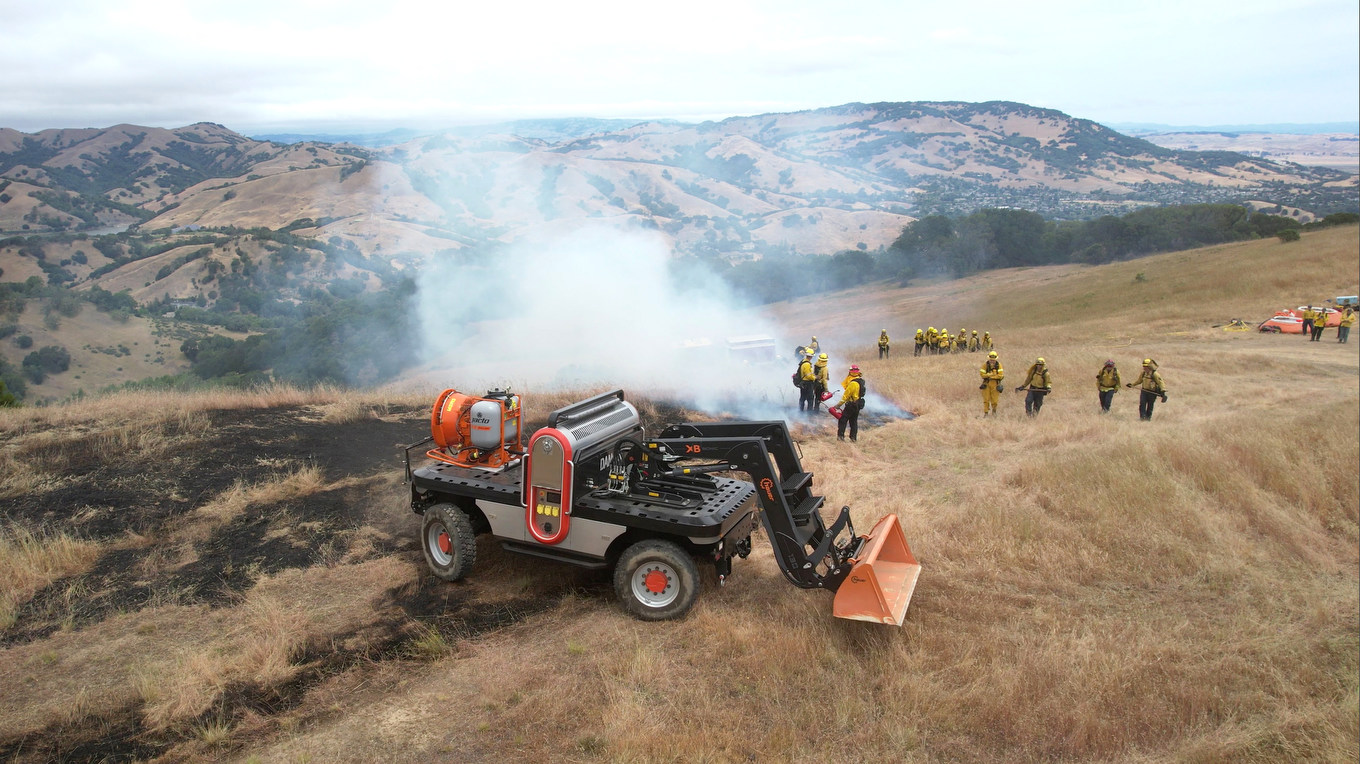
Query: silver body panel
point(589, 537)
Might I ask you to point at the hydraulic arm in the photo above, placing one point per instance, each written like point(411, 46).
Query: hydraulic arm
point(811, 554)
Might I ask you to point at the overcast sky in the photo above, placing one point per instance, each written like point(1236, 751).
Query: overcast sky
point(326, 65)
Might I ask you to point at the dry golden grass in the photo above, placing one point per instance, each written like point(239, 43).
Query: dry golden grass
point(147, 408)
point(1179, 291)
point(1095, 588)
point(227, 506)
point(30, 561)
point(173, 662)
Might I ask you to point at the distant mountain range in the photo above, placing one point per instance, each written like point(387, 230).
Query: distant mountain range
point(299, 242)
point(1284, 128)
point(819, 181)
point(543, 129)
point(559, 129)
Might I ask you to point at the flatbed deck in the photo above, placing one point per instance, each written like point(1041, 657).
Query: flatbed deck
point(725, 504)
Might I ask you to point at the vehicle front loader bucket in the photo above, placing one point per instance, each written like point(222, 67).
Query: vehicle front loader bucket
point(880, 584)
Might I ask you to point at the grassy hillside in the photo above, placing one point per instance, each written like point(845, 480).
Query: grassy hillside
point(236, 578)
point(104, 352)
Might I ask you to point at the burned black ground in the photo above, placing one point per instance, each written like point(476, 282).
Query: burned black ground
point(104, 496)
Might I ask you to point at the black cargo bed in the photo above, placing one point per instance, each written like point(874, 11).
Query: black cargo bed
point(722, 507)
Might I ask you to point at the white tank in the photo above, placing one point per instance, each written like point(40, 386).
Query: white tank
point(486, 423)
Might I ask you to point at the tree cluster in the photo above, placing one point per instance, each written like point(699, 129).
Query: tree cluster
point(360, 340)
point(50, 359)
point(1008, 238)
point(938, 245)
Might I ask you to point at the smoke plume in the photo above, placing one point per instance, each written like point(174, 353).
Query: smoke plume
point(597, 308)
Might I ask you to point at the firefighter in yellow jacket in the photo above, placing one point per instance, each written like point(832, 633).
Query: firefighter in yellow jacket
point(1107, 384)
point(987, 341)
point(851, 403)
point(883, 344)
point(974, 344)
point(1309, 316)
point(807, 383)
point(1152, 388)
point(1343, 330)
point(1319, 323)
point(819, 385)
point(1037, 386)
point(992, 375)
point(920, 342)
point(932, 339)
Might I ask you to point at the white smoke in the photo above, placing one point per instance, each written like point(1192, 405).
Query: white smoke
point(598, 308)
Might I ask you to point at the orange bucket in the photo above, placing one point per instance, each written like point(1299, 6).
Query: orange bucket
point(882, 580)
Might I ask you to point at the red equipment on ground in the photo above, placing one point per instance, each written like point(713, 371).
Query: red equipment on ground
point(478, 433)
point(1291, 321)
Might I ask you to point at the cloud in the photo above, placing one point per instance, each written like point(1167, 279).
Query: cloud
point(251, 63)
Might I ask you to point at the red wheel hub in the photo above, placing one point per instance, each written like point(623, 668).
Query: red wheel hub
point(445, 543)
point(656, 581)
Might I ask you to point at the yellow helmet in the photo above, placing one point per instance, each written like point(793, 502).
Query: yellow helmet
point(932, 328)
point(992, 354)
point(1039, 360)
point(1147, 361)
point(822, 357)
point(975, 331)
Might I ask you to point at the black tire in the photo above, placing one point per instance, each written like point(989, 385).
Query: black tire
point(448, 542)
point(656, 580)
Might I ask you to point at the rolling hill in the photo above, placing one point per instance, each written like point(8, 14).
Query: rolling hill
point(191, 218)
point(819, 181)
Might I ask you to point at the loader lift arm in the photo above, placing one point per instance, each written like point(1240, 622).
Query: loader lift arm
point(811, 554)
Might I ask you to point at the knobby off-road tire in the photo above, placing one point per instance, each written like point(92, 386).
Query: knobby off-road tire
point(448, 542)
point(656, 580)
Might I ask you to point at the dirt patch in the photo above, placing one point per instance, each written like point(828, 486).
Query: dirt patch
point(454, 614)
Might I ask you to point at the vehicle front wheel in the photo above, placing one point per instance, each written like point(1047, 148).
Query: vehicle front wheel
point(448, 542)
point(656, 580)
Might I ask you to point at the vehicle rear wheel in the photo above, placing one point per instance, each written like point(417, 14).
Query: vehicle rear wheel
point(656, 580)
point(448, 542)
